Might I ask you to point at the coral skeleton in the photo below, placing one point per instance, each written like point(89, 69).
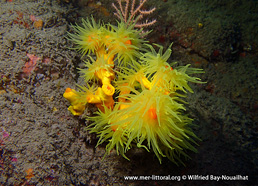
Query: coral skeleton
point(138, 92)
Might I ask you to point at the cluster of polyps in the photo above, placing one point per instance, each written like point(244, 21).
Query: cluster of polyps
point(139, 104)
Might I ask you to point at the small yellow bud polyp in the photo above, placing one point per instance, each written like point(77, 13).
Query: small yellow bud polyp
point(105, 76)
point(95, 98)
point(108, 89)
point(76, 110)
point(103, 96)
point(70, 95)
point(107, 99)
point(76, 107)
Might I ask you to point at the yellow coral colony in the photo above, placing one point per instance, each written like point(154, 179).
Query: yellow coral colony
point(140, 103)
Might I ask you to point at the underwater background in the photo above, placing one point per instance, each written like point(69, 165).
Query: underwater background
point(42, 143)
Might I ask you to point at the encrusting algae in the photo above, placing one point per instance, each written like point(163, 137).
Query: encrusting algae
point(139, 104)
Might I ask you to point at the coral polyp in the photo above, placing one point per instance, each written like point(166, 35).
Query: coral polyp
point(88, 38)
point(124, 41)
point(140, 104)
point(150, 120)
